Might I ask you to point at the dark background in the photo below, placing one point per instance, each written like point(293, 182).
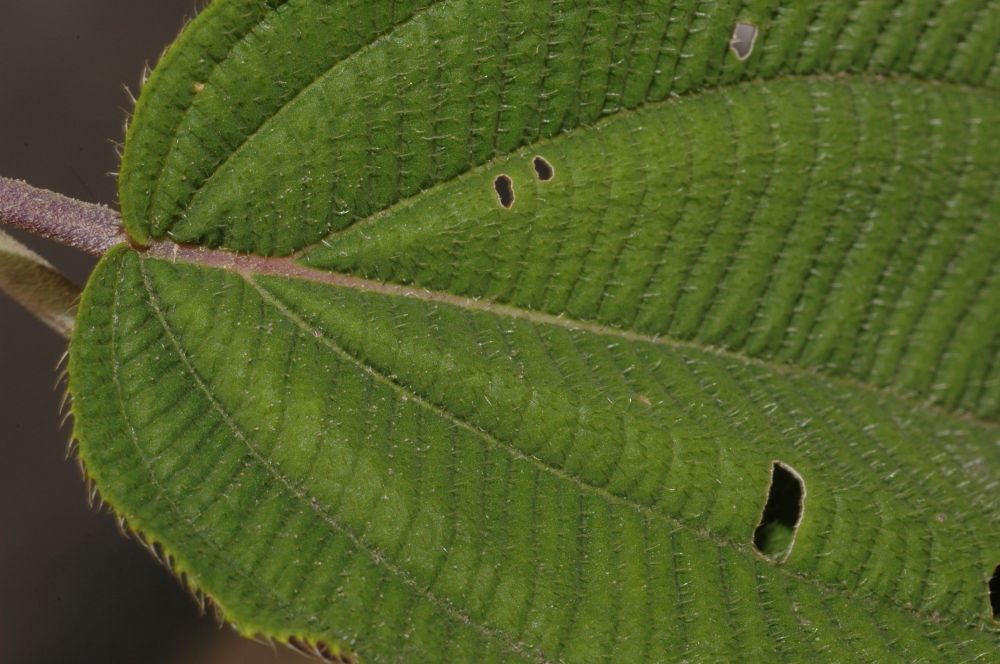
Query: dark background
point(72, 588)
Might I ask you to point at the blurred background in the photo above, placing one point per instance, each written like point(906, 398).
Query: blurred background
point(72, 588)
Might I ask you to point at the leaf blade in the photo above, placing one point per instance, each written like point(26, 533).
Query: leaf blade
point(660, 272)
point(505, 467)
point(358, 510)
point(391, 50)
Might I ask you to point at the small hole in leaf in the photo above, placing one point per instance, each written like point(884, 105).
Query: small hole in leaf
point(544, 169)
point(505, 190)
point(995, 593)
point(782, 513)
point(742, 41)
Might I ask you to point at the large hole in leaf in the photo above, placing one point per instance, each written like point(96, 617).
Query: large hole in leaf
point(995, 593)
point(742, 41)
point(505, 190)
point(782, 514)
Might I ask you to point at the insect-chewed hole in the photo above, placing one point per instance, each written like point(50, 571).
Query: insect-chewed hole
point(505, 190)
point(994, 586)
point(742, 41)
point(775, 534)
point(544, 169)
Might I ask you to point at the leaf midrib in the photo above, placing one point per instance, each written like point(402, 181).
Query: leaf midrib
point(249, 265)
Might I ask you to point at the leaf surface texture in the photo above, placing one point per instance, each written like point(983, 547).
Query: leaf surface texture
point(435, 427)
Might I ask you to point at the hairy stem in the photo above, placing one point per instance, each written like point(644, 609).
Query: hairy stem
point(84, 226)
point(27, 277)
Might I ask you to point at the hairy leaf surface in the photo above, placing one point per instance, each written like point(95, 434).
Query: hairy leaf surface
point(489, 322)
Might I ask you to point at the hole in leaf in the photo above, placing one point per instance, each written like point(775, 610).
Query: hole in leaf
point(742, 41)
point(995, 593)
point(544, 169)
point(782, 514)
point(505, 190)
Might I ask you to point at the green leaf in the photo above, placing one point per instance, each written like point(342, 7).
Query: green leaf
point(513, 317)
